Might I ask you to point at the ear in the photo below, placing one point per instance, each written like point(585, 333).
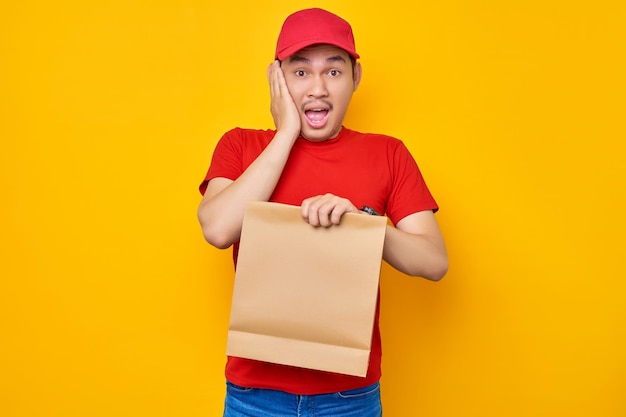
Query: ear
point(358, 71)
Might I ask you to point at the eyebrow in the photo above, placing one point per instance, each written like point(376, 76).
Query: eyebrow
point(330, 59)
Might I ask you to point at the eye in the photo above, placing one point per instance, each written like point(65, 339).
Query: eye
point(300, 73)
point(334, 73)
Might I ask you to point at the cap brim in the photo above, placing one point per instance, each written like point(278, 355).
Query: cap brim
point(292, 49)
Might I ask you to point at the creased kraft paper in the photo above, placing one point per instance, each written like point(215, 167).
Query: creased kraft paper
point(306, 296)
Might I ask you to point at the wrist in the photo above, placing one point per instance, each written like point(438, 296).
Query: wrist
point(289, 135)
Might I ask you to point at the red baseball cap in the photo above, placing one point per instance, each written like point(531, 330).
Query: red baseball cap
point(314, 26)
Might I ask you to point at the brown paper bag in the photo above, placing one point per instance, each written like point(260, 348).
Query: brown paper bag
point(303, 295)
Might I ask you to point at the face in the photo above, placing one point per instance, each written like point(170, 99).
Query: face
point(321, 82)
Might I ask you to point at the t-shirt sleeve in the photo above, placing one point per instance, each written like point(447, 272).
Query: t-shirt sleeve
point(409, 192)
point(227, 159)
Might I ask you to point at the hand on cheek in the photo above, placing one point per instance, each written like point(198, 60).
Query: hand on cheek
point(282, 106)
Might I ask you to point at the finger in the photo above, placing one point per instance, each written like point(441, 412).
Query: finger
point(282, 82)
point(272, 78)
point(340, 207)
point(313, 217)
point(323, 215)
point(304, 210)
point(336, 215)
point(337, 212)
point(329, 211)
point(279, 89)
point(309, 210)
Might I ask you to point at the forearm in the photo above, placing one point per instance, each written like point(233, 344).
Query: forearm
point(221, 210)
point(415, 254)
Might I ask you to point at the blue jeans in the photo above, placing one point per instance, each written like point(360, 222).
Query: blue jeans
point(255, 402)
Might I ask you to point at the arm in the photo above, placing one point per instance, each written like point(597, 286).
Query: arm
point(221, 210)
point(415, 246)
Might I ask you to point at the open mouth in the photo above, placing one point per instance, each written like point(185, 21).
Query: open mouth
point(316, 117)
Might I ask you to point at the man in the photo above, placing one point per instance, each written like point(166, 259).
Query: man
point(311, 160)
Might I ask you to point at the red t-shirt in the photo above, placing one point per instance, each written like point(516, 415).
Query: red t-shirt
point(367, 169)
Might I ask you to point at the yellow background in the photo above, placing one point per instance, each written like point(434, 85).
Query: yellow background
point(111, 304)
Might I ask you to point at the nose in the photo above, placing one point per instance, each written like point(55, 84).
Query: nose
point(317, 88)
